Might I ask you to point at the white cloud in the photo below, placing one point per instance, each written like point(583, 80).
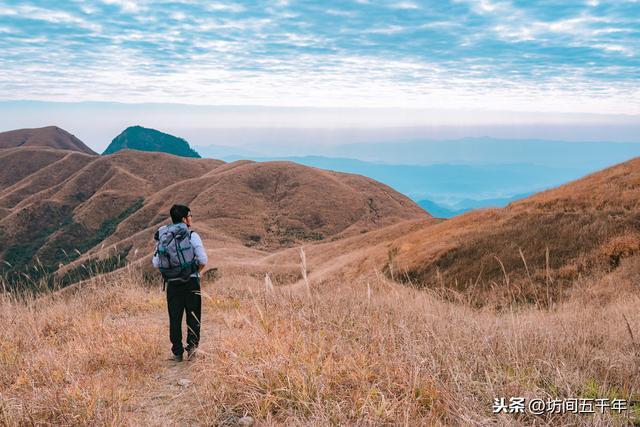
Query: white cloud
point(50, 15)
point(485, 7)
point(392, 29)
point(221, 58)
point(405, 5)
point(581, 31)
point(515, 33)
point(126, 5)
point(337, 12)
point(330, 81)
point(225, 7)
point(178, 16)
point(615, 48)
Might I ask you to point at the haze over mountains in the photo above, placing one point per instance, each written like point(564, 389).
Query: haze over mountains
point(450, 176)
point(468, 151)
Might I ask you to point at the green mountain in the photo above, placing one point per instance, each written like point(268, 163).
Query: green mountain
point(144, 139)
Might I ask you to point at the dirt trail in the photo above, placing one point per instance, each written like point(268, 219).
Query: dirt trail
point(163, 400)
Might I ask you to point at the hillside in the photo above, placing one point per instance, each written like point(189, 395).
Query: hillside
point(99, 211)
point(144, 139)
point(50, 136)
point(534, 248)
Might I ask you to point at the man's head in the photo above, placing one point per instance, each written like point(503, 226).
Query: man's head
point(180, 213)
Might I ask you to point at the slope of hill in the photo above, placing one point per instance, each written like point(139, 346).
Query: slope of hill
point(245, 211)
point(144, 139)
point(63, 203)
point(50, 136)
point(77, 209)
point(533, 248)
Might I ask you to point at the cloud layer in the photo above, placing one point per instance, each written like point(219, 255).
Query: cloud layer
point(580, 56)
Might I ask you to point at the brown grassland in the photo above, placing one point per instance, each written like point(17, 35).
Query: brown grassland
point(321, 352)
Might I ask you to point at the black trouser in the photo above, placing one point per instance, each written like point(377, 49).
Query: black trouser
point(184, 297)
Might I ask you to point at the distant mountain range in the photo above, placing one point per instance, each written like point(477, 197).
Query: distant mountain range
point(448, 178)
point(466, 205)
point(469, 151)
point(144, 139)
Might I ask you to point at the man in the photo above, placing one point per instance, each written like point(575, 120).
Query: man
point(184, 297)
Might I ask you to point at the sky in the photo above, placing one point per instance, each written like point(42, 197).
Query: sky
point(446, 64)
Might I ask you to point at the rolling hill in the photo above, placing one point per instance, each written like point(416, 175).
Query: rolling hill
point(50, 136)
point(65, 211)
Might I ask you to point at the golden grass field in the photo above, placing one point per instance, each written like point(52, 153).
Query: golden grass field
point(321, 353)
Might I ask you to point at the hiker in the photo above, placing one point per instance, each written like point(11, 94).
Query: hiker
point(181, 257)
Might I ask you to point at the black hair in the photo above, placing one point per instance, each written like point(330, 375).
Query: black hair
point(178, 212)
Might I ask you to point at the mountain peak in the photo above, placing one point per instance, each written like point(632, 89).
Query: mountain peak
point(48, 136)
point(146, 139)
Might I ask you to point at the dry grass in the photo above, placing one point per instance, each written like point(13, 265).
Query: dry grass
point(75, 358)
point(382, 354)
point(541, 245)
point(325, 353)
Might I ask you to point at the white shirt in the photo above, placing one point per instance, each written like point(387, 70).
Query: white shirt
point(198, 249)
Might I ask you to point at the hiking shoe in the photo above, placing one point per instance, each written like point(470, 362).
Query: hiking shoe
point(176, 357)
point(191, 353)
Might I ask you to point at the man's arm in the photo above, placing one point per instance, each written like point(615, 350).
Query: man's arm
point(198, 249)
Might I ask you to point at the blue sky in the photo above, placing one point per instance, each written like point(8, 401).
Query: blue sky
point(545, 56)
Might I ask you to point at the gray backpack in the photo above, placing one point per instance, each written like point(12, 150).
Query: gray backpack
point(175, 252)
